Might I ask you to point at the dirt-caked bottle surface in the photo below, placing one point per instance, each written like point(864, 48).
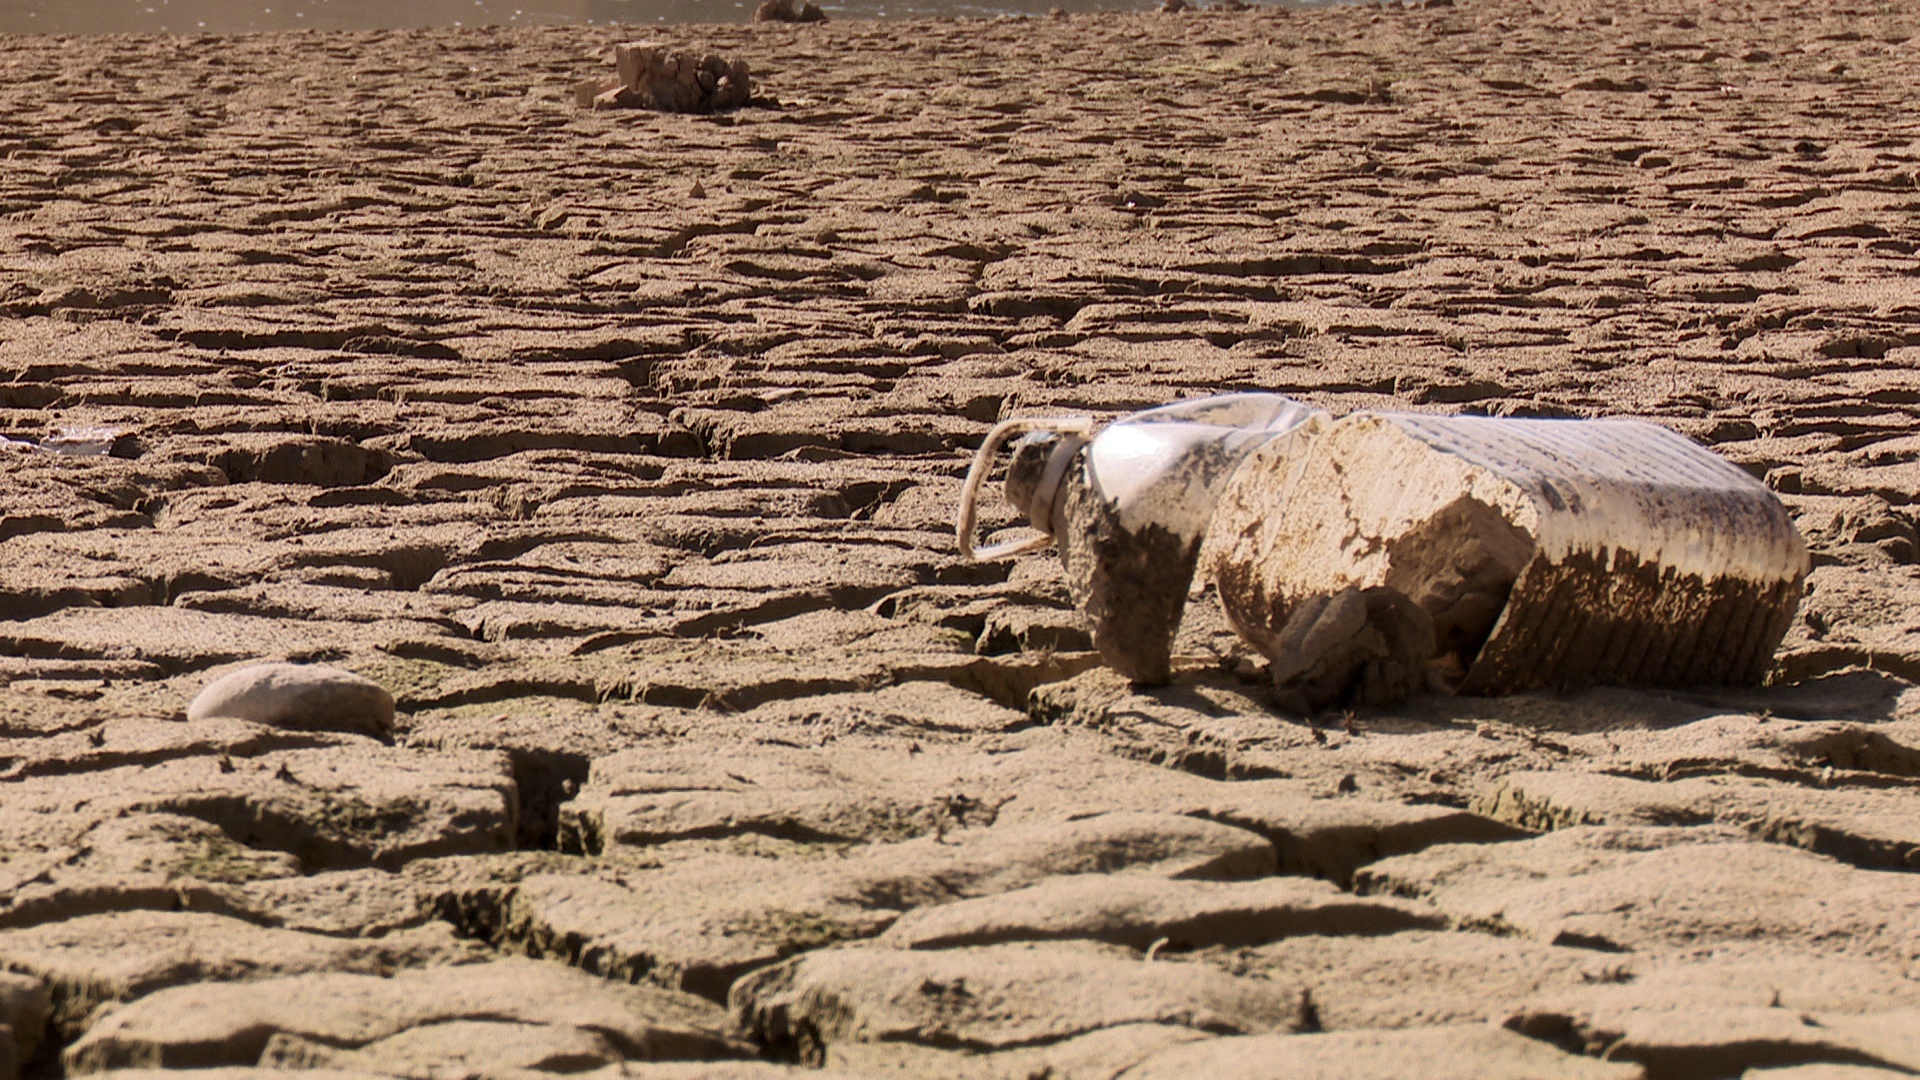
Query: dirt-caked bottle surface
point(1372, 556)
point(1128, 508)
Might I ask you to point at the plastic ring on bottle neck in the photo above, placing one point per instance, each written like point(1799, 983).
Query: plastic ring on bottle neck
point(1075, 428)
point(1046, 493)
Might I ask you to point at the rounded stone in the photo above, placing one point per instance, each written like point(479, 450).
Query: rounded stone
point(298, 697)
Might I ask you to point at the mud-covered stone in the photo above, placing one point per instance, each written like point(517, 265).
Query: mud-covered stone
point(653, 75)
point(298, 697)
point(791, 11)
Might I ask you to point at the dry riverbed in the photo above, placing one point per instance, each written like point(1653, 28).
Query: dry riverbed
point(622, 448)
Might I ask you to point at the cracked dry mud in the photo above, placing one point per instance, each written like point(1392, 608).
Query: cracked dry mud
point(622, 448)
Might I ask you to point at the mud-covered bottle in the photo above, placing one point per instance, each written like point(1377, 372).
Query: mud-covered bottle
point(1127, 508)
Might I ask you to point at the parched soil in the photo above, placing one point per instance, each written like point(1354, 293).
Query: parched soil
point(623, 448)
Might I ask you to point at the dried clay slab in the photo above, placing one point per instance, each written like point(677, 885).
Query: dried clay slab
point(1515, 554)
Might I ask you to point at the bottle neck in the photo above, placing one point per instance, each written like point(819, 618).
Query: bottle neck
point(1044, 503)
point(1073, 430)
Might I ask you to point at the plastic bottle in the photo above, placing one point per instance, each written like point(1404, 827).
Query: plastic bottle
point(1128, 508)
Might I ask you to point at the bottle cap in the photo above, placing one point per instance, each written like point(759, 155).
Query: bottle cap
point(1072, 432)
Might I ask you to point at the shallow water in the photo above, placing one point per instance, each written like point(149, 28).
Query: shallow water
point(240, 16)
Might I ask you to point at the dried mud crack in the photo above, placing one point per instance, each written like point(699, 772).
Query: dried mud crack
point(622, 449)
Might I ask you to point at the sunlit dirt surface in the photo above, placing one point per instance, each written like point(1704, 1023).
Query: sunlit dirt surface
point(623, 449)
